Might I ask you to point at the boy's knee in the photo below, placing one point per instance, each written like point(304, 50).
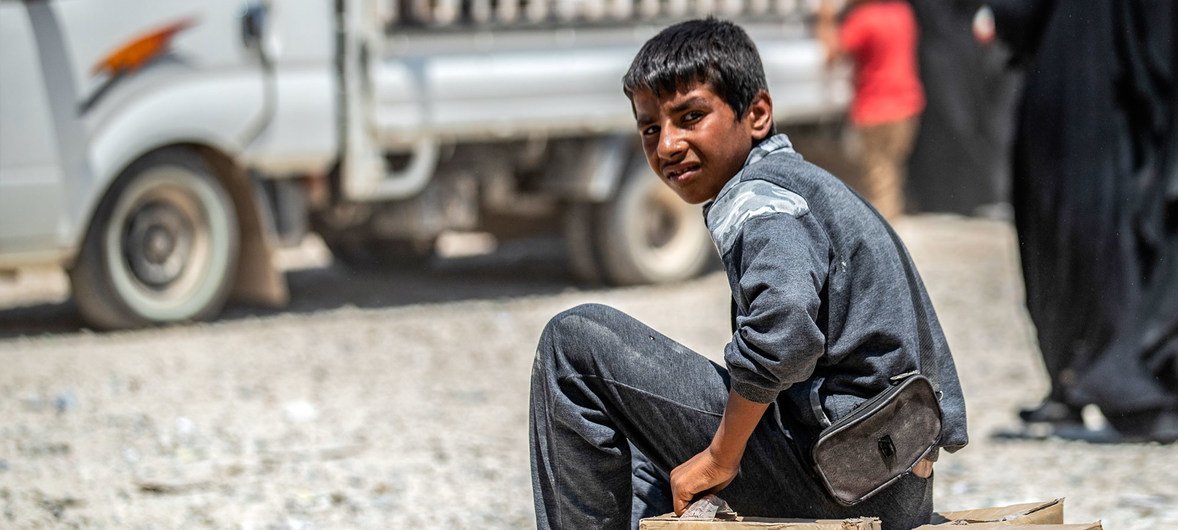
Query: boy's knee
point(580, 321)
point(572, 331)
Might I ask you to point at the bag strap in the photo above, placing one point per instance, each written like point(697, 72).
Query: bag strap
point(816, 402)
point(924, 335)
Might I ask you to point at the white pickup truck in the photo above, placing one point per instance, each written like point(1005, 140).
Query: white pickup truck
point(159, 150)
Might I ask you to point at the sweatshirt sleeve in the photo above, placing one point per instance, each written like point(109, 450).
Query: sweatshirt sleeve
point(781, 268)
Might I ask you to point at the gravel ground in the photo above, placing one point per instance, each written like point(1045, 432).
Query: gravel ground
point(400, 400)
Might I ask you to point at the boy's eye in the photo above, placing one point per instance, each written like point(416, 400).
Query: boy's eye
point(692, 116)
point(649, 131)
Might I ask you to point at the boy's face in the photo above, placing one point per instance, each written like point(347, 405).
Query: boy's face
point(694, 141)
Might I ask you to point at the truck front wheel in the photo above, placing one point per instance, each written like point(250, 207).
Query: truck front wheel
point(163, 246)
point(645, 234)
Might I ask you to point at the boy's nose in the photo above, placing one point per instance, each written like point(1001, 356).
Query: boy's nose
point(671, 145)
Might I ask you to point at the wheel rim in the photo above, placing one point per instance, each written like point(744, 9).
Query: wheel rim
point(160, 240)
point(169, 244)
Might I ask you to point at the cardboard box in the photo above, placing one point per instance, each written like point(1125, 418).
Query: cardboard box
point(1046, 515)
point(1016, 526)
point(670, 522)
point(1048, 512)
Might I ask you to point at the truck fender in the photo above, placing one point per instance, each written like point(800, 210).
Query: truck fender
point(190, 109)
point(214, 120)
point(258, 281)
point(589, 170)
point(615, 156)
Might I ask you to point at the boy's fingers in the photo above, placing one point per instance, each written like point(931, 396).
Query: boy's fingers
point(681, 499)
point(681, 504)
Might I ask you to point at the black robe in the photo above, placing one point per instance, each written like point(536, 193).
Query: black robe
point(1095, 194)
point(960, 161)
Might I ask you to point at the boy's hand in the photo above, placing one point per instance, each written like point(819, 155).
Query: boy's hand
point(702, 474)
point(715, 467)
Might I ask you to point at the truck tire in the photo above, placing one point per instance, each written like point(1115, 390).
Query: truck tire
point(163, 246)
point(645, 234)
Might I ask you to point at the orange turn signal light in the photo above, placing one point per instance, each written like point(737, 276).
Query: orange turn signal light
point(141, 50)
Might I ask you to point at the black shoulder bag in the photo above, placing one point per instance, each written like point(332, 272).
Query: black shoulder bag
point(878, 442)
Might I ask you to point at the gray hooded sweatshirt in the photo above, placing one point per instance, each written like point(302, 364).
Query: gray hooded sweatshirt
point(827, 304)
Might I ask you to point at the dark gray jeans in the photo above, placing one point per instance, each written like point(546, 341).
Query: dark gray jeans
point(616, 406)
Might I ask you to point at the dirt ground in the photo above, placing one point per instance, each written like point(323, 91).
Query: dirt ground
point(399, 400)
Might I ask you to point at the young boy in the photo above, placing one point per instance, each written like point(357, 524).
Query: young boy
point(626, 423)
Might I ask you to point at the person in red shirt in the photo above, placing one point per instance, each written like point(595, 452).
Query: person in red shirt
point(880, 38)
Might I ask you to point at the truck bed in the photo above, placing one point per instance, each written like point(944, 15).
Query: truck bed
point(486, 83)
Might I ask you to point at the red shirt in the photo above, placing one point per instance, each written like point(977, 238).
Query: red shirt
point(881, 38)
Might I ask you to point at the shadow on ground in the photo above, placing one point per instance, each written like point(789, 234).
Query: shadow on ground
point(518, 268)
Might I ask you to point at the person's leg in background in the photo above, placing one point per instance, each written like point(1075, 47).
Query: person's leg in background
point(884, 152)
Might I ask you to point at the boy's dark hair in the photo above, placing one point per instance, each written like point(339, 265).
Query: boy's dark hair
point(715, 52)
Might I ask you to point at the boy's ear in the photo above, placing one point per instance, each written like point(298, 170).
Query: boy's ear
point(759, 116)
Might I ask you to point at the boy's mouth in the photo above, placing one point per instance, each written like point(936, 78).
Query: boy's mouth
point(680, 171)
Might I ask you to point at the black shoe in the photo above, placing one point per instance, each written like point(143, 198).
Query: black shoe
point(1149, 426)
point(1050, 411)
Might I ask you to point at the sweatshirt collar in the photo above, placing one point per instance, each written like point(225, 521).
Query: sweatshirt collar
point(772, 144)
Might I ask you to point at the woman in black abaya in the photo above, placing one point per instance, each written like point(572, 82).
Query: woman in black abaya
point(1095, 193)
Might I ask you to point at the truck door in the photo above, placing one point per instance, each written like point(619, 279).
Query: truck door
point(40, 139)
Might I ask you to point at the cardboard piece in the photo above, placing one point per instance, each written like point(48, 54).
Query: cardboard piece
point(1047, 515)
point(1016, 526)
point(1048, 512)
point(670, 522)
